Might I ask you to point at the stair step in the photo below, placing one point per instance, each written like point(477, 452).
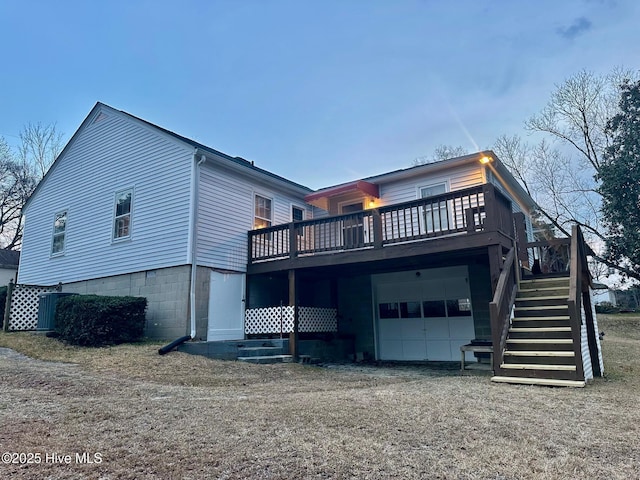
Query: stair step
point(538, 366)
point(263, 351)
point(553, 341)
point(547, 317)
point(558, 283)
point(539, 381)
point(541, 288)
point(539, 353)
point(267, 359)
point(545, 279)
point(539, 329)
point(542, 307)
point(541, 298)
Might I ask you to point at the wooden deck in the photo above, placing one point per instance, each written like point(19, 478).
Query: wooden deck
point(463, 220)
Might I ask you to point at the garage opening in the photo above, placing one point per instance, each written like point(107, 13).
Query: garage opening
point(424, 314)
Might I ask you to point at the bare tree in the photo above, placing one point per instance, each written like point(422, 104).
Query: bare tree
point(39, 146)
point(561, 171)
point(20, 173)
point(441, 152)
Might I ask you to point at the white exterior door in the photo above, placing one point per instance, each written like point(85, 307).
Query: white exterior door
point(423, 315)
point(226, 306)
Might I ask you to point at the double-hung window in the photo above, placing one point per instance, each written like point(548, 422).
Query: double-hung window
point(122, 214)
point(262, 215)
point(435, 214)
point(59, 233)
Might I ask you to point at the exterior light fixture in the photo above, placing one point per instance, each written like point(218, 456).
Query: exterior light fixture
point(486, 159)
point(372, 203)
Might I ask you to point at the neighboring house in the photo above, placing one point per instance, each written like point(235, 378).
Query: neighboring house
point(603, 294)
point(9, 260)
point(407, 265)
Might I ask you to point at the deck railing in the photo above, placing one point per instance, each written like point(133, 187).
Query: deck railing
point(579, 293)
point(475, 209)
point(501, 308)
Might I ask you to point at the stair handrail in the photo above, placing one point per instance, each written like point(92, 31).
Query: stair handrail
point(579, 280)
point(501, 308)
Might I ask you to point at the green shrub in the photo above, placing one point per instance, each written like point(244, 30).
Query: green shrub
point(95, 321)
point(606, 307)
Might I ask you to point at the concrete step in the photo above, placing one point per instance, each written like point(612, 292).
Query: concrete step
point(261, 351)
point(267, 359)
point(539, 381)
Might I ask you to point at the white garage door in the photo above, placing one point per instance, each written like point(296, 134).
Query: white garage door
point(423, 315)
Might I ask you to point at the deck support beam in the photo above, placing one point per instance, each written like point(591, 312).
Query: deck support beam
point(293, 301)
point(495, 265)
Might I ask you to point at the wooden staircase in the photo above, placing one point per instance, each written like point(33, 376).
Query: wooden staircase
point(539, 349)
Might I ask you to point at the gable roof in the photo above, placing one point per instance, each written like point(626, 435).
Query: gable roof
point(237, 161)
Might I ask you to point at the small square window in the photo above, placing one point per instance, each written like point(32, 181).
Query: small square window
point(297, 214)
point(460, 307)
point(410, 310)
point(434, 308)
point(388, 310)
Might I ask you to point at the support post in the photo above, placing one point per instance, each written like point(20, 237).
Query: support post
point(7, 306)
point(293, 241)
point(495, 266)
point(521, 239)
point(471, 222)
point(491, 206)
point(377, 228)
point(293, 301)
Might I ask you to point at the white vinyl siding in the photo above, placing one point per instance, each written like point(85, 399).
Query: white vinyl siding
point(100, 159)
point(406, 190)
point(226, 212)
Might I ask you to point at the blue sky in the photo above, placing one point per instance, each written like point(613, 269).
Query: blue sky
point(322, 91)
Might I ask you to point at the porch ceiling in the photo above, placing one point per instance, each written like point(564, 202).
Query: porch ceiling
point(321, 198)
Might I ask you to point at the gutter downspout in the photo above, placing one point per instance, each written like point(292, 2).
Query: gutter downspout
point(193, 237)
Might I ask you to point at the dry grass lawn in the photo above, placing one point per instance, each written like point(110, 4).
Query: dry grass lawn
point(188, 417)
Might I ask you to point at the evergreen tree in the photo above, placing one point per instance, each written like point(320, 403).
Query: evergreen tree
point(620, 180)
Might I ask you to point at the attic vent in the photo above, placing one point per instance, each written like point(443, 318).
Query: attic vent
point(100, 117)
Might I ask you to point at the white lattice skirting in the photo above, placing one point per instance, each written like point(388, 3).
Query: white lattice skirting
point(25, 300)
point(280, 320)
